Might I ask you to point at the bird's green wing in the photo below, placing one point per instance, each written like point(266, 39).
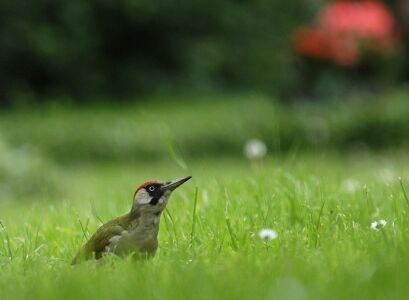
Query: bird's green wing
point(96, 245)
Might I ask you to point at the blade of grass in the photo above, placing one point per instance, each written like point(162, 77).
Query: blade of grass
point(36, 237)
point(83, 229)
point(231, 233)
point(368, 199)
point(318, 225)
point(94, 213)
point(403, 190)
point(7, 241)
point(268, 210)
point(175, 233)
point(192, 233)
point(174, 153)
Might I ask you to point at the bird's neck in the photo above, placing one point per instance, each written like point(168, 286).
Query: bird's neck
point(146, 220)
point(150, 218)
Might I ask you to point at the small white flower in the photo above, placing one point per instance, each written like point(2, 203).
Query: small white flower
point(374, 225)
point(377, 225)
point(267, 234)
point(351, 185)
point(255, 149)
point(382, 222)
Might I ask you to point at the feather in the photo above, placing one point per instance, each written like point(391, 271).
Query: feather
point(97, 244)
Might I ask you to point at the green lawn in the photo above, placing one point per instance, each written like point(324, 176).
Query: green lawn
point(320, 205)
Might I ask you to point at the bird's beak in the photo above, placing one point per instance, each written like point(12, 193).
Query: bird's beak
point(175, 183)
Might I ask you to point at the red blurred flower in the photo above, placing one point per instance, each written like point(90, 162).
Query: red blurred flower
point(319, 44)
point(344, 27)
point(313, 42)
point(366, 19)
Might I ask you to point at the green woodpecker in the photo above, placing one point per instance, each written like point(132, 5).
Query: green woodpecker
point(136, 232)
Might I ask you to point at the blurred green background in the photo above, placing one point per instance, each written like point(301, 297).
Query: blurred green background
point(131, 81)
point(119, 50)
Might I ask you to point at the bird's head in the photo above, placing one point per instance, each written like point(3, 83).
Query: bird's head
point(152, 196)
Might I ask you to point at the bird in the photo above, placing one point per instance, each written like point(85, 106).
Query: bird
point(135, 233)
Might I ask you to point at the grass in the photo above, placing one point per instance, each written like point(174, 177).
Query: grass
point(321, 206)
point(64, 171)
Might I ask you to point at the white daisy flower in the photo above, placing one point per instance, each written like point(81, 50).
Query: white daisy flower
point(374, 225)
point(377, 225)
point(267, 234)
point(255, 149)
point(382, 222)
point(351, 185)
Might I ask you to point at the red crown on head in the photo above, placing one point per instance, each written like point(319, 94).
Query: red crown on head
point(143, 185)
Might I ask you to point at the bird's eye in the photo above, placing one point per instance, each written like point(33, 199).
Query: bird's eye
point(151, 188)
